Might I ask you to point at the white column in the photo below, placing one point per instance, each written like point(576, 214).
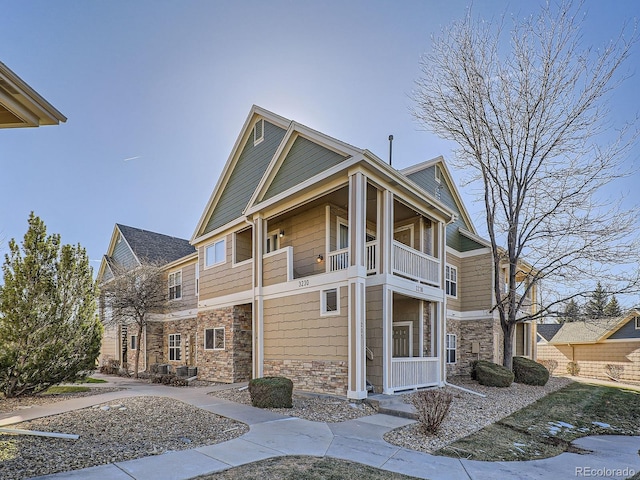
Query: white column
point(386, 237)
point(387, 337)
point(357, 275)
point(258, 302)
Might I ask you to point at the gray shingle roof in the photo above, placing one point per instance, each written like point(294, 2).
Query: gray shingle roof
point(548, 330)
point(155, 247)
point(588, 331)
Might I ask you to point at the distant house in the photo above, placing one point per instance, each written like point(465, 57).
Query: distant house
point(594, 344)
point(316, 260)
point(21, 105)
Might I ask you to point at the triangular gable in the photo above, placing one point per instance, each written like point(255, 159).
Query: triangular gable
point(243, 171)
point(625, 329)
point(303, 154)
point(120, 252)
point(424, 175)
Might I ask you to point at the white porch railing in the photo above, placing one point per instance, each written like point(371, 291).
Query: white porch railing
point(415, 265)
point(371, 253)
point(414, 372)
point(338, 260)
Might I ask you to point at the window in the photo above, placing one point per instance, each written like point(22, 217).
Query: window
point(175, 285)
point(214, 338)
point(197, 278)
point(273, 242)
point(637, 323)
point(451, 348)
point(437, 173)
point(134, 342)
point(175, 347)
point(343, 234)
point(258, 132)
point(451, 280)
point(329, 301)
point(215, 253)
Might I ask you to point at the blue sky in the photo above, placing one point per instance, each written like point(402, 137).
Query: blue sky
point(156, 92)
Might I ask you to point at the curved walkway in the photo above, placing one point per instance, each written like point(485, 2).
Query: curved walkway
point(273, 435)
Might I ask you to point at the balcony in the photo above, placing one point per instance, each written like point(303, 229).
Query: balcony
point(339, 259)
point(415, 265)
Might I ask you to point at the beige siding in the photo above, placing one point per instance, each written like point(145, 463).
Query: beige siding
point(305, 232)
point(109, 347)
point(593, 359)
point(474, 283)
point(374, 336)
point(223, 279)
point(294, 329)
point(275, 268)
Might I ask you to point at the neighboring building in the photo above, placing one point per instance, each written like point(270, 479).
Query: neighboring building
point(318, 261)
point(21, 105)
point(594, 344)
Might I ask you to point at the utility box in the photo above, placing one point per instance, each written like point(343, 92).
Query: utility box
point(475, 347)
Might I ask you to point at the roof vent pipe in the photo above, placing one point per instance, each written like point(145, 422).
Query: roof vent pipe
point(390, 147)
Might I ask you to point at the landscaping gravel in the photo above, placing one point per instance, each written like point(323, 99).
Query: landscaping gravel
point(317, 408)
point(470, 413)
point(112, 432)
point(20, 403)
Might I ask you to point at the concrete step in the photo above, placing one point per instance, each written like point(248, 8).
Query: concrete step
point(391, 405)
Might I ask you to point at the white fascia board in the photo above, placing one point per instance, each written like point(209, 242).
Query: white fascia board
point(232, 159)
point(221, 231)
point(470, 315)
point(226, 300)
point(470, 253)
point(191, 258)
point(171, 316)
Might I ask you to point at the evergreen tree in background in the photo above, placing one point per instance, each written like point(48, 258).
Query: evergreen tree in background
point(613, 308)
point(49, 330)
point(595, 307)
point(571, 312)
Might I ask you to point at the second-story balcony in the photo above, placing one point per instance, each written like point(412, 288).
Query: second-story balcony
point(406, 262)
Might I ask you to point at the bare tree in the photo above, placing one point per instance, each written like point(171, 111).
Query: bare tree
point(133, 295)
point(530, 115)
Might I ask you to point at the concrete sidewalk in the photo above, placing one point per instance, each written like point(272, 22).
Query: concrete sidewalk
point(273, 435)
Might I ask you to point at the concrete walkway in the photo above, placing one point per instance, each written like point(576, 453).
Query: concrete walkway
point(273, 435)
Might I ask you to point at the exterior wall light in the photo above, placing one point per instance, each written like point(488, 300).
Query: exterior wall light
point(320, 258)
point(281, 233)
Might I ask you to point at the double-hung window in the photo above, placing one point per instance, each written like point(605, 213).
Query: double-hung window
point(451, 281)
point(175, 347)
point(329, 302)
point(215, 253)
point(175, 285)
point(451, 348)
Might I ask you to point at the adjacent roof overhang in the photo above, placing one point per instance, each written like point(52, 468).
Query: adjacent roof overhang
point(21, 105)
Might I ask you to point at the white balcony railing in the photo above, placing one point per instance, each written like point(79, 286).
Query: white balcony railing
point(414, 372)
point(338, 260)
point(372, 250)
point(415, 265)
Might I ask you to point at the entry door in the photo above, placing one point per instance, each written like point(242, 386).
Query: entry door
point(402, 344)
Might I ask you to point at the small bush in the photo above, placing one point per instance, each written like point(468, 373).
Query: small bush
point(614, 371)
point(474, 364)
point(529, 372)
point(110, 366)
point(432, 407)
point(549, 364)
point(271, 392)
point(493, 375)
point(573, 368)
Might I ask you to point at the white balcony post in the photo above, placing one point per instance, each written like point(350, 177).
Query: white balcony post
point(386, 235)
point(259, 225)
point(357, 286)
point(387, 340)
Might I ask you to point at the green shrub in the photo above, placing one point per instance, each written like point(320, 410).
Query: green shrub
point(271, 392)
point(529, 372)
point(493, 375)
point(473, 369)
point(573, 368)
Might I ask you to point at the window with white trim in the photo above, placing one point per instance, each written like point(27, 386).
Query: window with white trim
point(258, 132)
point(637, 323)
point(437, 173)
point(214, 338)
point(273, 242)
point(216, 253)
point(330, 304)
point(451, 280)
point(451, 347)
point(175, 285)
point(175, 347)
point(343, 233)
point(134, 342)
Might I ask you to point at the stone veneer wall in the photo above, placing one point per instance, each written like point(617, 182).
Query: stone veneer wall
point(467, 332)
point(233, 364)
point(311, 375)
point(187, 328)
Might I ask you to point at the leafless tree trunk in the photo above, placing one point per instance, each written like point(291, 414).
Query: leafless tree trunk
point(529, 114)
point(133, 295)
